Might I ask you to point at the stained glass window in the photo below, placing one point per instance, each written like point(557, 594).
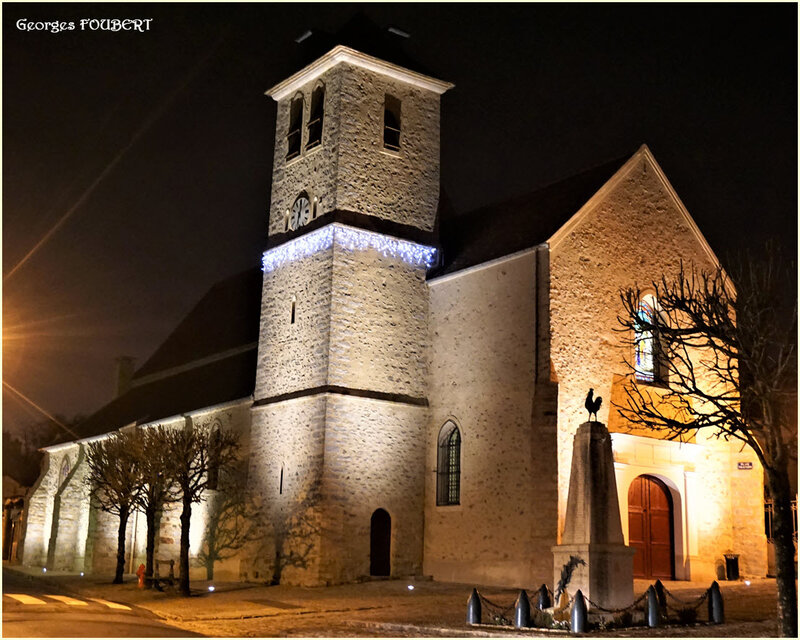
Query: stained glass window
point(448, 485)
point(645, 343)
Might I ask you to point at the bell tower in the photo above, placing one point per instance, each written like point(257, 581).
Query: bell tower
point(340, 404)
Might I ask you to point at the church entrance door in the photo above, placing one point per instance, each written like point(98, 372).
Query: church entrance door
point(380, 542)
point(650, 528)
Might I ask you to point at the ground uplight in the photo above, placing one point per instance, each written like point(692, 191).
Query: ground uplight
point(211, 587)
point(411, 587)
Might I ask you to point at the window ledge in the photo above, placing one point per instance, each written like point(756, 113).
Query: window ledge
point(391, 152)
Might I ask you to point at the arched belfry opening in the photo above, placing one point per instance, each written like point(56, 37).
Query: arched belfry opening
point(650, 523)
point(380, 543)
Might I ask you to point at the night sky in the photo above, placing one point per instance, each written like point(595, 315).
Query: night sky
point(144, 159)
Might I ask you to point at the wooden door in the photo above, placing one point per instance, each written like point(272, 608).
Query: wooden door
point(650, 528)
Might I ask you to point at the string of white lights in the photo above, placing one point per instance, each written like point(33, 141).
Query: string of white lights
point(351, 239)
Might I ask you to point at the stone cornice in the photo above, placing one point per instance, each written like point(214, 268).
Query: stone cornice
point(341, 54)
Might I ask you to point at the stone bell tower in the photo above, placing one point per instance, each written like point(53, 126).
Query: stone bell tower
point(340, 402)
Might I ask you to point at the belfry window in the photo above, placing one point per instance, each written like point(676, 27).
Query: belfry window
point(316, 118)
point(646, 343)
point(391, 123)
point(294, 137)
point(448, 476)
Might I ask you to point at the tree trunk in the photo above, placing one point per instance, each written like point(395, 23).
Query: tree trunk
point(209, 569)
point(186, 517)
point(783, 540)
point(150, 515)
point(123, 525)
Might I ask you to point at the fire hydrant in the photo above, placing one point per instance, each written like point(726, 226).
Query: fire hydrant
point(140, 573)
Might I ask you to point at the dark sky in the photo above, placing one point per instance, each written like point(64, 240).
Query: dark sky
point(157, 146)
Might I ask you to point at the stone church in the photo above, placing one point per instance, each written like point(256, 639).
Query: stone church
point(407, 383)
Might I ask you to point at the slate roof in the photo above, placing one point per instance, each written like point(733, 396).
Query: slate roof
point(362, 34)
point(503, 228)
point(210, 358)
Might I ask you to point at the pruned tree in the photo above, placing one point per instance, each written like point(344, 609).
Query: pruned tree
point(725, 361)
point(199, 454)
point(229, 524)
point(115, 481)
point(156, 462)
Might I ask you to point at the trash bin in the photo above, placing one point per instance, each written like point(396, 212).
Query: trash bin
point(732, 566)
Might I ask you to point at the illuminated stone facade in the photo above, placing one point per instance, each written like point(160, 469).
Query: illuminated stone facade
point(366, 359)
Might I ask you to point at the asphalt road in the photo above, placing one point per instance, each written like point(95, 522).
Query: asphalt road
point(33, 608)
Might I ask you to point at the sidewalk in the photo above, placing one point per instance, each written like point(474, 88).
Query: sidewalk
point(387, 608)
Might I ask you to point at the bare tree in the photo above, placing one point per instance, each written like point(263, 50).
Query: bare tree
point(155, 462)
point(115, 482)
point(725, 359)
point(229, 524)
point(199, 454)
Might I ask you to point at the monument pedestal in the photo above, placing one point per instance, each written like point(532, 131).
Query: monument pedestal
point(592, 527)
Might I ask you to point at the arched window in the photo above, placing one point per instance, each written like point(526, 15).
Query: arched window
point(316, 117)
point(213, 456)
point(448, 477)
point(391, 123)
point(64, 471)
point(646, 342)
point(294, 137)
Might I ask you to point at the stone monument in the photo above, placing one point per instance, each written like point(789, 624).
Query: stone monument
point(592, 528)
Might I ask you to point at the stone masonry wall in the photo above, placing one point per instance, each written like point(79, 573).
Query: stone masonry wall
point(373, 459)
point(632, 235)
point(378, 323)
point(314, 170)
point(293, 357)
point(284, 478)
point(351, 170)
point(483, 366)
point(66, 532)
point(39, 512)
point(402, 186)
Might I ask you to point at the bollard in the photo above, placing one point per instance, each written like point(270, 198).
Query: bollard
point(474, 608)
point(716, 610)
point(543, 598)
point(580, 616)
point(522, 611)
point(652, 607)
point(172, 570)
point(662, 598)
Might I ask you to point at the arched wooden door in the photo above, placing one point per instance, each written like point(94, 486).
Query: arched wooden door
point(380, 544)
point(650, 528)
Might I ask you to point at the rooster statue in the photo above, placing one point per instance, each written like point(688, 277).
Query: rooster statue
point(592, 404)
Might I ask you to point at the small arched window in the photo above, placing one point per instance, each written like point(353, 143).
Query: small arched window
point(64, 471)
point(316, 117)
point(646, 342)
point(294, 137)
point(448, 477)
point(391, 123)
